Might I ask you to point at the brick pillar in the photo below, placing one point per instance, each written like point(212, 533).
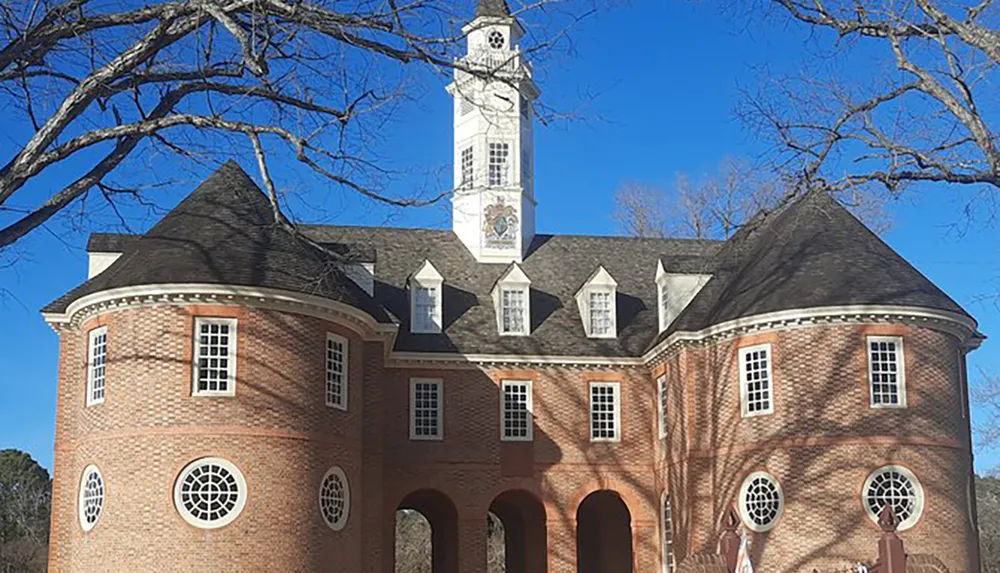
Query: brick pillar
point(471, 545)
point(562, 545)
point(645, 546)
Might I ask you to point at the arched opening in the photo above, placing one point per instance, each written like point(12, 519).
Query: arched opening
point(603, 534)
point(523, 519)
point(426, 534)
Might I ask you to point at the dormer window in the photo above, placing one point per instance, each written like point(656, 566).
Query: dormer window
point(674, 291)
point(425, 300)
point(512, 301)
point(596, 300)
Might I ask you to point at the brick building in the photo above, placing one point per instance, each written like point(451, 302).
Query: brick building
point(232, 398)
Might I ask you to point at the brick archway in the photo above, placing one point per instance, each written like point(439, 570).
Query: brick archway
point(523, 518)
point(440, 512)
point(604, 534)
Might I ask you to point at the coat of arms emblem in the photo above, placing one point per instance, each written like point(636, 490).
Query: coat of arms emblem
point(500, 224)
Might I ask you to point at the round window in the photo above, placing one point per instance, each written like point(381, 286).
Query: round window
point(210, 493)
point(761, 501)
point(495, 39)
point(898, 487)
point(335, 498)
point(91, 497)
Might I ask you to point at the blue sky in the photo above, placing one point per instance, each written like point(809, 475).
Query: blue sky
point(653, 85)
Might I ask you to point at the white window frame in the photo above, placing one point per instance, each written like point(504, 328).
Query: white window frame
point(613, 323)
point(241, 486)
point(900, 371)
point(440, 409)
point(502, 167)
point(617, 412)
point(345, 376)
point(744, 399)
point(744, 490)
point(196, 347)
point(91, 367)
point(524, 290)
point(504, 384)
point(666, 533)
point(662, 303)
point(466, 159)
point(338, 473)
point(919, 500)
point(661, 405)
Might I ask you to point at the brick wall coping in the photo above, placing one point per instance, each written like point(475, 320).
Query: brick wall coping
point(958, 325)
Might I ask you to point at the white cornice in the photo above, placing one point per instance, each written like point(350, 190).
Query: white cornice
point(961, 326)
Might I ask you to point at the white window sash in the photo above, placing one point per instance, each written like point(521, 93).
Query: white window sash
point(616, 411)
point(426, 313)
point(661, 405)
point(513, 319)
point(529, 405)
point(744, 397)
point(900, 372)
point(601, 313)
point(231, 356)
point(439, 411)
point(662, 295)
point(331, 372)
point(92, 377)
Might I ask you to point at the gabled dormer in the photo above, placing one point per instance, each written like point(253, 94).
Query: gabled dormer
point(426, 295)
point(512, 301)
point(674, 291)
point(597, 302)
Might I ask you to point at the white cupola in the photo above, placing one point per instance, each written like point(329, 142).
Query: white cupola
point(493, 207)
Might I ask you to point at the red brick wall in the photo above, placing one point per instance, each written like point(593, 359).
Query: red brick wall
point(820, 443)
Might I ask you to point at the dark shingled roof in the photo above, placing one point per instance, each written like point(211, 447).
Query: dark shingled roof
point(493, 9)
point(813, 254)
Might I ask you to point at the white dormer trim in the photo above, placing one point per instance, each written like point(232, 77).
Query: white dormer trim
point(425, 288)
point(674, 291)
point(514, 281)
point(601, 286)
point(97, 262)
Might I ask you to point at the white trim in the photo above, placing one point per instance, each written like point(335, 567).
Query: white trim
point(530, 403)
point(345, 374)
point(745, 516)
point(959, 325)
point(91, 376)
point(525, 291)
point(241, 500)
point(80, 501)
point(661, 405)
point(918, 501)
point(900, 371)
point(231, 356)
point(439, 383)
point(339, 473)
point(744, 398)
point(616, 412)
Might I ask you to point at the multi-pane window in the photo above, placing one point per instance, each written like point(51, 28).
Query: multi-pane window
point(885, 371)
point(898, 487)
point(425, 311)
point(755, 380)
point(761, 501)
point(605, 412)
point(664, 305)
point(668, 546)
point(498, 160)
point(466, 165)
point(336, 371)
point(425, 409)
point(601, 308)
point(215, 356)
point(661, 404)
point(97, 365)
point(513, 308)
point(515, 411)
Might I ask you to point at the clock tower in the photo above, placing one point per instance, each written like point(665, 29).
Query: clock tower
point(493, 206)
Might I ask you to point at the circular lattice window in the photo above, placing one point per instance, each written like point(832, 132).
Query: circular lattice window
point(210, 493)
point(898, 487)
point(495, 39)
point(761, 501)
point(335, 498)
point(91, 497)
